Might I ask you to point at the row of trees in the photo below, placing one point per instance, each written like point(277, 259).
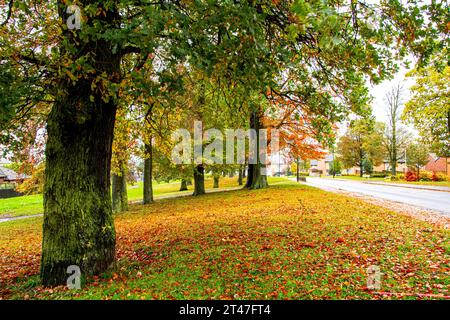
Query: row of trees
point(368, 143)
point(144, 68)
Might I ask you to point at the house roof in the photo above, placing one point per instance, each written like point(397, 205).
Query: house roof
point(437, 164)
point(8, 174)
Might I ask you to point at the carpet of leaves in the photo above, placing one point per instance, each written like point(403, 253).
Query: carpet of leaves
point(285, 242)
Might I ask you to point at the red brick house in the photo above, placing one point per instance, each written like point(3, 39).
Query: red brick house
point(437, 164)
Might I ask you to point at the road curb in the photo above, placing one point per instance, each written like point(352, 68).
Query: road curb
point(405, 186)
point(417, 187)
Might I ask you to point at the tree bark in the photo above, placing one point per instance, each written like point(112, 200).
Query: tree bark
point(394, 148)
point(361, 160)
point(148, 174)
point(255, 179)
point(241, 174)
point(298, 169)
point(216, 182)
point(199, 180)
point(119, 192)
point(183, 186)
point(78, 227)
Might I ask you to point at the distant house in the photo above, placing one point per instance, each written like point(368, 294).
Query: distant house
point(386, 166)
point(320, 166)
point(437, 164)
point(8, 176)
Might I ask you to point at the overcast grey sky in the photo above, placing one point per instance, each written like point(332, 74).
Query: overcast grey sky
point(378, 92)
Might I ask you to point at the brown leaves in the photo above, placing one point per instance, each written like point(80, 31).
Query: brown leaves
point(254, 245)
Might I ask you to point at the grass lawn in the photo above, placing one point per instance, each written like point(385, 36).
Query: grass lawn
point(354, 178)
point(289, 241)
point(425, 183)
point(30, 205)
point(21, 206)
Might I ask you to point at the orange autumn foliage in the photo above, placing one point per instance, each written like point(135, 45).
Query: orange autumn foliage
point(297, 135)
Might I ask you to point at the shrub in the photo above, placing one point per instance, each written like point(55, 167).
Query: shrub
point(379, 175)
point(393, 178)
point(434, 177)
point(410, 176)
point(425, 176)
point(34, 184)
point(439, 177)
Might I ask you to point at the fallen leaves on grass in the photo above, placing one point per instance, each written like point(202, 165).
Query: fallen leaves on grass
point(286, 242)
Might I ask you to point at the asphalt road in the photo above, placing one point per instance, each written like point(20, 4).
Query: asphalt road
point(428, 199)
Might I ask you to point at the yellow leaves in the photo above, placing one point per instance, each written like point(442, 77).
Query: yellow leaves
point(284, 242)
point(71, 76)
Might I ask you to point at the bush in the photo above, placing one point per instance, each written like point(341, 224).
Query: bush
point(434, 177)
point(393, 178)
point(304, 174)
point(410, 176)
point(425, 176)
point(439, 177)
point(34, 184)
point(379, 175)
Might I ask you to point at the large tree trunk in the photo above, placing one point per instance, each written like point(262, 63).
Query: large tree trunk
point(78, 227)
point(298, 169)
point(119, 192)
point(216, 182)
point(183, 186)
point(148, 174)
point(256, 179)
point(199, 180)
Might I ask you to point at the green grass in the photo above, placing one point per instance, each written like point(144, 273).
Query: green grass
point(424, 183)
point(31, 205)
point(21, 206)
point(287, 242)
point(354, 178)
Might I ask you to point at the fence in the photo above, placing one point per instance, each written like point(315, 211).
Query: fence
point(9, 193)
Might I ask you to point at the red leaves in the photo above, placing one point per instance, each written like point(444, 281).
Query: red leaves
point(340, 240)
point(300, 246)
point(266, 247)
point(254, 245)
point(410, 176)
